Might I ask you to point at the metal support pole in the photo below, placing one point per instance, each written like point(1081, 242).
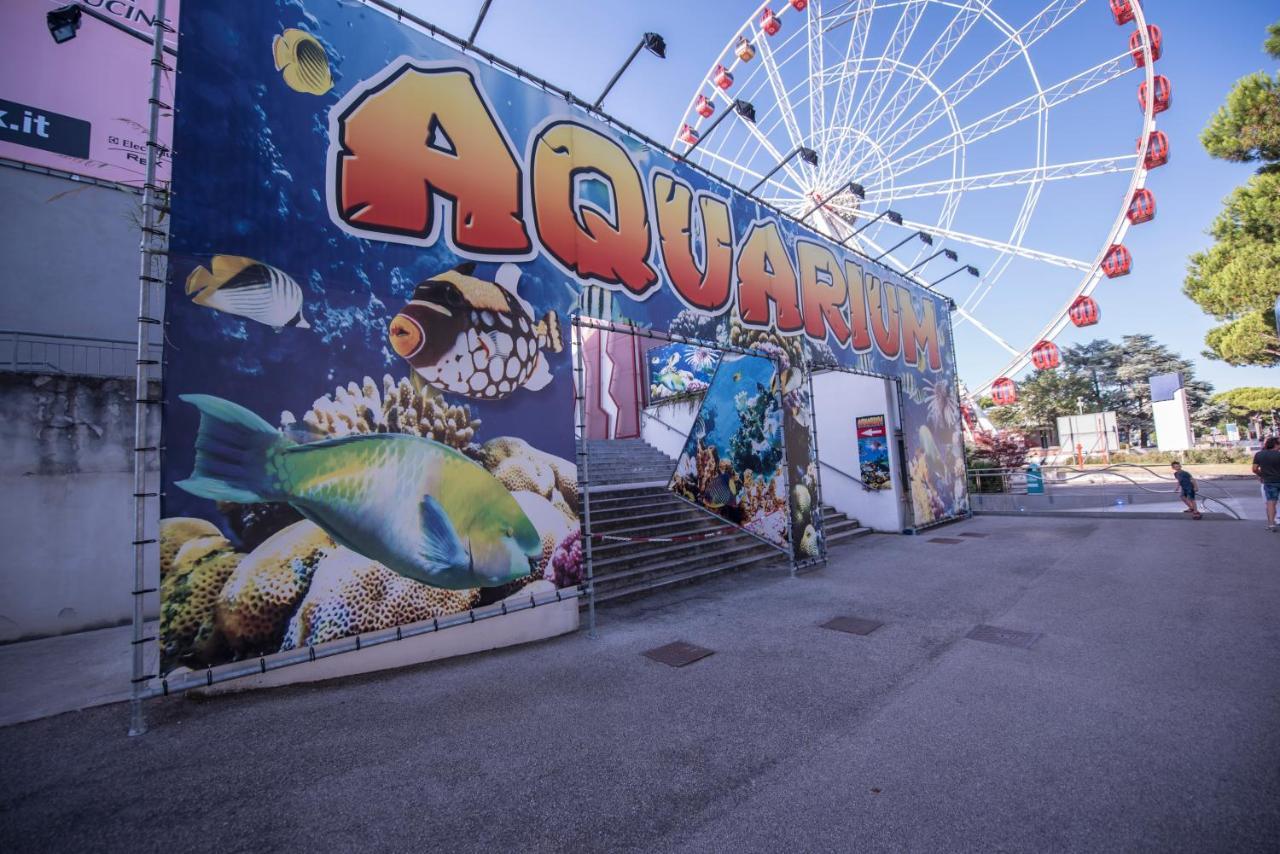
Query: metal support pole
point(150, 249)
point(619, 73)
point(817, 467)
point(786, 467)
point(584, 474)
point(475, 31)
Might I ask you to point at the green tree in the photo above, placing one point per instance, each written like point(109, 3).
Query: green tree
point(1255, 403)
point(1143, 358)
point(1237, 280)
point(1043, 398)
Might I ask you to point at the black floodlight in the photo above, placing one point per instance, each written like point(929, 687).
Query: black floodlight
point(894, 217)
point(947, 252)
point(920, 234)
point(857, 189)
point(656, 45)
point(973, 271)
point(926, 239)
point(808, 155)
point(63, 22)
point(967, 268)
point(951, 255)
point(745, 109)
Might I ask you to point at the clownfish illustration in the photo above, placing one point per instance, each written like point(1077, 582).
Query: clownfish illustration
point(248, 288)
point(473, 336)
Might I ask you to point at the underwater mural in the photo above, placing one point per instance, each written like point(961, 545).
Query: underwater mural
point(373, 265)
point(679, 370)
point(732, 461)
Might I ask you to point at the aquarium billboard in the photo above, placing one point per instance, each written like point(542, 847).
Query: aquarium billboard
point(81, 106)
point(374, 264)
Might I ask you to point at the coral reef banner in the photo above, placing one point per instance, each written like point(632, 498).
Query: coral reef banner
point(732, 462)
point(873, 451)
point(678, 370)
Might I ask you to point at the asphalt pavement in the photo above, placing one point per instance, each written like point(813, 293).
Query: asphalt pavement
point(1138, 710)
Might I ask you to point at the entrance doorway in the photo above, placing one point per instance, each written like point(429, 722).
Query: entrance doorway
point(860, 448)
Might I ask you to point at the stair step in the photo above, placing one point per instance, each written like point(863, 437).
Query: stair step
point(668, 553)
point(669, 527)
point(685, 577)
point(850, 534)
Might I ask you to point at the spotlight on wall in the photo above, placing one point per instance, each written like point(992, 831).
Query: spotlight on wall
point(63, 22)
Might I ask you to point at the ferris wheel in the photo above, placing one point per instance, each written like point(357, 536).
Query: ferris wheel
point(918, 133)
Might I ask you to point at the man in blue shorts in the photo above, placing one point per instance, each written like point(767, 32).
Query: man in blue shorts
point(1187, 486)
point(1266, 465)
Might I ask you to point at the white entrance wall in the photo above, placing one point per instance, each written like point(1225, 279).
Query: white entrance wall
point(667, 426)
point(839, 398)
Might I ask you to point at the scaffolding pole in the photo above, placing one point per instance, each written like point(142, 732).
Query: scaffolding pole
point(150, 251)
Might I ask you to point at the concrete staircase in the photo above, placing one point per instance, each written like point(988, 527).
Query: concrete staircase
point(840, 528)
point(629, 498)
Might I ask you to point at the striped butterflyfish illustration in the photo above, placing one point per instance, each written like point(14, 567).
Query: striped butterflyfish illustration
point(302, 62)
point(248, 288)
point(473, 336)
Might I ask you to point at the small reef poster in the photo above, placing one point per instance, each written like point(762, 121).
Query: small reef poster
point(873, 451)
point(732, 462)
point(679, 370)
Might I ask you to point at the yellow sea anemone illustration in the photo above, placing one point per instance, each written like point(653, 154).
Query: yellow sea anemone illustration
point(302, 62)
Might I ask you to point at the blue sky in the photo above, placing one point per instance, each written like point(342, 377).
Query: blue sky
point(579, 44)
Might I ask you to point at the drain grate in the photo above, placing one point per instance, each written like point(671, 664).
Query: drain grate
point(678, 654)
point(945, 541)
point(852, 625)
point(974, 534)
point(1004, 637)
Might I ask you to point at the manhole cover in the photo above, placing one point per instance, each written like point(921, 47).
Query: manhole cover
point(852, 625)
point(1005, 637)
point(678, 654)
point(945, 541)
point(974, 534)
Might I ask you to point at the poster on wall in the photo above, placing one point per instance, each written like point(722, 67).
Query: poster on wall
point(81, 106)
point(679, 370)
point(873, 451)
point(732, 461)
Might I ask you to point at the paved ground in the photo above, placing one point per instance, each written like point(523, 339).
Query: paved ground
point(1146, 717)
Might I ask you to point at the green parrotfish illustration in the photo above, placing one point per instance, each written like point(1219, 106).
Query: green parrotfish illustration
point(416, 506)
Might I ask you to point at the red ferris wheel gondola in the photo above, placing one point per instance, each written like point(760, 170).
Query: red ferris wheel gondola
point(769, 22)
point(688, 134)
point(1084, 311)
point(799, 5)
point(1122, 11)
point(1157, 149)
point(1142, 207)
point(1004, 392)
point(745, 50)
point(1164, 94)
point(1045, 355)
point(704, 107)
point(721, 77)
point(1135, 45)
point(1117, 261)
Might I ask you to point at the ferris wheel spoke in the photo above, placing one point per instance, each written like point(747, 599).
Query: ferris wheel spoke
point(906, 27)
point(780, 95)
point(948, 40)
point(985, 331)
point(1015, 43)
point(792, 192)
point(754, 130)
point(999, 246)
point(817, 85)
point(1010, 178)
point(878, 74)
point(854, 51)
point(1032, 105)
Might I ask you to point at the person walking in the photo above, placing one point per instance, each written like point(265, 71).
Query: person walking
point(1187, 485)
point(1266, 465)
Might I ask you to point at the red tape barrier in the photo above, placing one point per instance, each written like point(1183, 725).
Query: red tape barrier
point(686, 538)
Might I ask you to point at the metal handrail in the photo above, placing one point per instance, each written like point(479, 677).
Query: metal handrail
point(646, 414)
point(865, 487)
point(56, 353)
point(1106, 470)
